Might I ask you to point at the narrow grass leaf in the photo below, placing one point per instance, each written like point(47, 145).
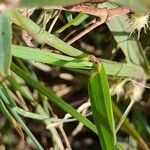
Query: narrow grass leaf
point(5, 96)
point(102, 108)
point(28, 114)
point(10, 118)
point(129, 127)
point(5, 43)
point(42, 36)
point(76, 21)
point(53, 98)
point(69, 16)
point(81, 18)
point(111, 67)
point(39, 3)
point(26, 129)
point(18, 87)
point(16, 116)
point(45, 56)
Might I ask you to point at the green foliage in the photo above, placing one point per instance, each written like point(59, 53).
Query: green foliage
point(102, 108)
point(25, 94)
point(5, 43)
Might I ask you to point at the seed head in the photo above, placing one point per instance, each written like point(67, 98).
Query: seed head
point(138, 21)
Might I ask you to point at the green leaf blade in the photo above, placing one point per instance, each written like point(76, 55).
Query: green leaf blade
point(76, 21)
point(102, 108)
point(5, 43)
point(53, 98)
point(42, 55)
point(12, 116)
point(39, 3)
point(45, 56)
point(43, 36)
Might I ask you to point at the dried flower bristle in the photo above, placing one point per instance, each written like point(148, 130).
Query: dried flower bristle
point(138, 21)
point(135, 91)
point(129, 89)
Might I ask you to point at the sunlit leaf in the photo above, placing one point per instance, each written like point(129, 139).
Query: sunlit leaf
point(102, 108)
